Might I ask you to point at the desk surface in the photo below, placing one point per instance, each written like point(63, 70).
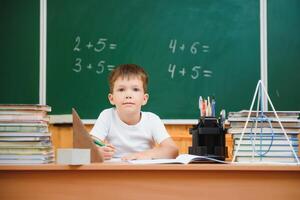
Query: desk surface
point(162, 181)
point(168, 167)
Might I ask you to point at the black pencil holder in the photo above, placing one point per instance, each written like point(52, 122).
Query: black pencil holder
point(208, 139)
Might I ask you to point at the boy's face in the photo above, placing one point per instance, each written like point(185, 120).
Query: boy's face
point(128, 95)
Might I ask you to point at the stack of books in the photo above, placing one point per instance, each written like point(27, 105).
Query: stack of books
point(264, 140)
point(24, 134)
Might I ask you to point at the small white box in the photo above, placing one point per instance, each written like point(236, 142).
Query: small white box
point(73, 156)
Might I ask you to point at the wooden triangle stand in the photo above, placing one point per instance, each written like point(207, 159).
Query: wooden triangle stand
point(83, 140)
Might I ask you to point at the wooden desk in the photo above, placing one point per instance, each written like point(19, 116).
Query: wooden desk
point(125, 181)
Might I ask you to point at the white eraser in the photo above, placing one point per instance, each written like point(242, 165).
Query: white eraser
point(73, 156)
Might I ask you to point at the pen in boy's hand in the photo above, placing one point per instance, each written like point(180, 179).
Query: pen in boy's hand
point(98, 141)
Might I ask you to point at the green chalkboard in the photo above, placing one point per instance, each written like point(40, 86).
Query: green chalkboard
point(284, 53)
point(189, 48)
point(19, 52)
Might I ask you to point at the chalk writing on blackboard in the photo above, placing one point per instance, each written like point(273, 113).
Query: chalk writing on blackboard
point(194, 48)
point(99, 46)
point(175, 46)
point(193, 72)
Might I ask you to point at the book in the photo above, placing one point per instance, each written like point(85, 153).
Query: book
point(241, 124)
point(29, 127)
point(265, 153)
point(17, 107)
point(264, 137)
point(266, 147)
point(258, 142)
point(264, 130)
point(23, 112)
point(275, 159)
point(272, 119)
point(26, 157)
point(18, 144)
point(24, 134)
point(244, 113)
point(25, 161)
point(23, 118)
point(26, 151)
point(181, 159)
point(23, 139)
point(38, 123)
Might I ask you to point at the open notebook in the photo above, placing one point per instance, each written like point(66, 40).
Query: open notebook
point(181, 159)
point(83, 140)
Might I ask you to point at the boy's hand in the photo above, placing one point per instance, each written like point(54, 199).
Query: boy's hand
point(137, 156)
point(166, 149)
point(107, 151)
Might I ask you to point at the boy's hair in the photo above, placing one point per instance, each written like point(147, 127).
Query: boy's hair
point(128, 71)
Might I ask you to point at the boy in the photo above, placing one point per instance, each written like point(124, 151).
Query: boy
point(130, 133)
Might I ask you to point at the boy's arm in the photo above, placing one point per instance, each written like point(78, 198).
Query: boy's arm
point(166, 149)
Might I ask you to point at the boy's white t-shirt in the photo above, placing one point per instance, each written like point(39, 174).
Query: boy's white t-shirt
point(129, 138)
